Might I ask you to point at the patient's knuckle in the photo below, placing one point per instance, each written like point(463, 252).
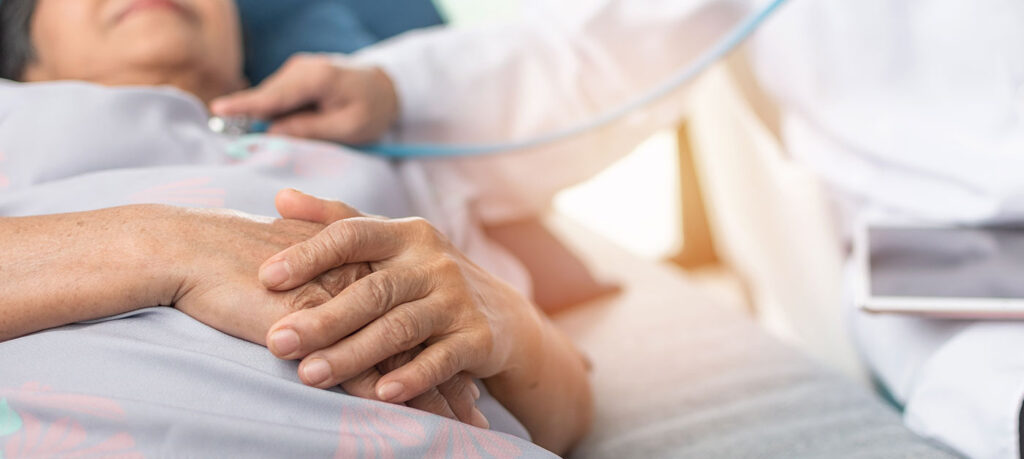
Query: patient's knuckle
point(445, 364)
point(448, 266)
point(377, 292)
point(420, 227)
point(308, 296)
point(335, 280)
point(338, 279)
point(401, 328)
point(457, 387)
point(339, 236)
point(362, 270)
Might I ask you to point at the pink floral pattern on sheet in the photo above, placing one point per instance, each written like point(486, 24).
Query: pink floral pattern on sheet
point(24, 434)
point(375, 431)
point(455, 439)
point(366, 433)
point(191, 192)
point(255, 145)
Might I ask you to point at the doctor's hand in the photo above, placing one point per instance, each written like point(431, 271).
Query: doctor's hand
point(319, 97)
point(423, 293)
point(453, 398)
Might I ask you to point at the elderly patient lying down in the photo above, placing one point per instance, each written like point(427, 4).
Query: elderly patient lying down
point(122, 303)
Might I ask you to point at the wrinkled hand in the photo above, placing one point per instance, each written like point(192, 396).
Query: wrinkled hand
point(216, 262)
point(423, 292)
point(320, 97)
point(217, 284)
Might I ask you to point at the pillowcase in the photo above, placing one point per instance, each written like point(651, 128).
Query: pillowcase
point(274, 29)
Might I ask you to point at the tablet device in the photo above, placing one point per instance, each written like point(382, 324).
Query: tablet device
point(956, 272)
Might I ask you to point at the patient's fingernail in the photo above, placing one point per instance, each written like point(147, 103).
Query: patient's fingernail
point(480, 420)
point(284, 343)
point(475, 390)
point(275, 274)
point(316, 372)
point(390, 391)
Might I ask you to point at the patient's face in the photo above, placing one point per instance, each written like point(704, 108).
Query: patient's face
point(186, 43)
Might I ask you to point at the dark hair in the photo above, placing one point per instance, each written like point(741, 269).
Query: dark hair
point(16, 50)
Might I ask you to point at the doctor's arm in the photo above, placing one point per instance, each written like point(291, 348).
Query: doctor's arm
point(559, 66)
point(556, 67)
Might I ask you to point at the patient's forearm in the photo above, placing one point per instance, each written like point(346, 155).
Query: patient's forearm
point(60, 269)
point(548, 390)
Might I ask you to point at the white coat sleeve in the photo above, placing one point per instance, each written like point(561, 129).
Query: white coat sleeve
point(968, 395)
point(558, 66)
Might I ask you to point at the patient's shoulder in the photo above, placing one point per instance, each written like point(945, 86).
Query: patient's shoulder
point(12, 96)
point(15, 95)
point(9, 94)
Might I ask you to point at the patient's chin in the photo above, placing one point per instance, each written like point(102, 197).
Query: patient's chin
point(167, 48)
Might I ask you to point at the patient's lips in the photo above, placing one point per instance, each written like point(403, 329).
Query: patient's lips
point(139, 6)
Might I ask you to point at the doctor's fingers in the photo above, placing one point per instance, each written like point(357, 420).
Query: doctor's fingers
point(351, 124)
point(347, 241)
point(363, 386)
point(303, 80)
point(462, 393)
point(459, 394)
point(296, 205)
point(400, 330)
point(367, 299)
point(440, 361)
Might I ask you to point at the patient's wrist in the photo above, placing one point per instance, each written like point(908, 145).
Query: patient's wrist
point(155, 244)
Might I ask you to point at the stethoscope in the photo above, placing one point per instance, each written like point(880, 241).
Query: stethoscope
point(735, 37)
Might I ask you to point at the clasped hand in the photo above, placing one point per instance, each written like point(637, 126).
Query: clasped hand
point(388, 309)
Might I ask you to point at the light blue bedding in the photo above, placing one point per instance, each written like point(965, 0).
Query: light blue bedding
point(156, 383)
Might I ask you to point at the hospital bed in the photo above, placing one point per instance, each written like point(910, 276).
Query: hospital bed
point(677, 374)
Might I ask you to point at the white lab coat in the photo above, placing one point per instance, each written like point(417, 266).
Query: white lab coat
point(567, 62)
point(904, 108)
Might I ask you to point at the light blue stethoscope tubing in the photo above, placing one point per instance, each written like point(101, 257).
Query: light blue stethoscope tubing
point(732, 40)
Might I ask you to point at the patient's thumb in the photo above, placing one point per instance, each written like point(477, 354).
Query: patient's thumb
point(296, 205)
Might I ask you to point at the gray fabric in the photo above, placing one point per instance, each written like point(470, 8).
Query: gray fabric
point(74, 146)
point(157, 382)
point(767, 405)
point(677, 374)
point(727, 390)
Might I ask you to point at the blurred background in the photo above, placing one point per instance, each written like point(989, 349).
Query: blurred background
point(717, 197)
point(655, 228)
